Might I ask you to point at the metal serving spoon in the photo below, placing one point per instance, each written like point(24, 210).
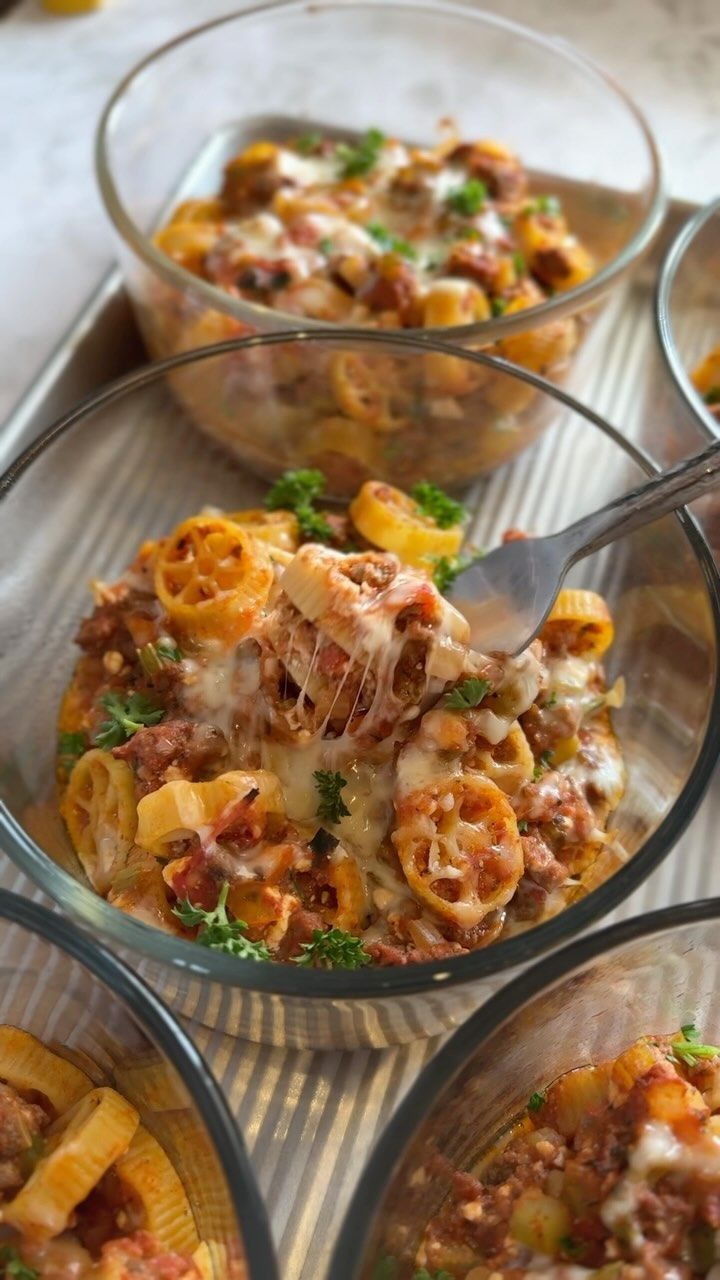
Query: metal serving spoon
point(507, 595)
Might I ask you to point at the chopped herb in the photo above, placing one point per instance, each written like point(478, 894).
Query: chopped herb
point(469, 198)
point(522, 826)
point(332, 807)
point(125, 716)
point(468, 694)
point(71, 746)
point(536, 1101)
point(544, 204)
point(355, 161)
point(448, 568)
point(434, 502)
point(296, 491)
point(424, 1274)
point(306, 143)
point(499, 306)
point(333, 949)
point(153, 657)
point(325, 246)
point(687, 1048)
point(323, 842)
point(218, 931)
point(550, 702)
point(386, 240)
point(386, 1268)
point(569, 1245)
point(14, 1266)
point(712, 396)
point(519, 263)
point(543, 763)
point(469, 233)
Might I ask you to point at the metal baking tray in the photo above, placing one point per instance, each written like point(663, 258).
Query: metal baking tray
point(310, 1119)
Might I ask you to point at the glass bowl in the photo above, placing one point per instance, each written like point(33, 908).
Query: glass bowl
point(128, 463)
point(59, 985)
point(584, 1004)
point(178, 116)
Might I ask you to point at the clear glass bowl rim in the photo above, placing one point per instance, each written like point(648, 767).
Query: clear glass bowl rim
point(92, 911)
point(671, 264)
point(489, 330)
point(164, 1029)
point(445, 1065)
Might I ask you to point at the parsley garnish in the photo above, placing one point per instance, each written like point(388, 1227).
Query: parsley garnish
point(325, 246)
point(14, 1266)
point(437, 504)
point(296, 491)
point(306, 143)
point(71, 746)
point(522, 826)
point(448, 568)
point(355, 161)
point(499, 306)
point(519, 263)
point(469, 198)
point(569, 1245)
point(688, 1049)
point(550, 701)
point(544, 204)
point(386, 1268)
point(468, 694)
point(125, 716)
point(543, 763)
point(331, 807)
point(153, 657)
point(333, 949)
point(386, 240)
point(536, 1101)
point(712, 396)
point(218, 931)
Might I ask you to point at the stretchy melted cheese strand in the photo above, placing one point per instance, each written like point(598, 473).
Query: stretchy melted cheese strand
point(100, 813)
point(27, 1065)
point(459, 846)
point(390, 519)
point(213, 577)
point(145, 1170)
point(583, 620)
point(179, 808)
point(84, 1143)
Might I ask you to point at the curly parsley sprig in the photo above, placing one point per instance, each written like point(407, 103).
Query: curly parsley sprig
point(13, 1265)
point(70, 747)
point(331, 806)
point(296, 491)
point(389, 242)
point(468, 694)
point(688, 1049)
point(218, 931)
point(448, 568)
point(333, 949)
point(126, 714)
point(356, 161)
point(154, 656)
point(438, 505)
point(469, 198)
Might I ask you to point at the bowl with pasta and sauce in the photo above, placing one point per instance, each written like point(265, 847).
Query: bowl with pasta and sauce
point(570, 1129)
point(475, 178)
point(260, 753)
point(118, 1155)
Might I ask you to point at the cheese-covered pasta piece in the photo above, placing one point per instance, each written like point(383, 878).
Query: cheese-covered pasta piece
point(100, 812)
point(392, 520)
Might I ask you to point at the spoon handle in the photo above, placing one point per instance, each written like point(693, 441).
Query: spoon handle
point(689, 479)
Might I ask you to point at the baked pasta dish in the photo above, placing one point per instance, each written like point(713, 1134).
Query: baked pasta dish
point(706, 381)
point(380, 233)
point(375, 234)
point(278, 741)
point(613, 1172)
point(86, 1191)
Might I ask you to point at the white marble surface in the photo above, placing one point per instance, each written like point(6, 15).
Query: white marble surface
point(55, 74)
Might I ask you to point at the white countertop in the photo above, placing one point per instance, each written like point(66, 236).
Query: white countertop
point(56, 73)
